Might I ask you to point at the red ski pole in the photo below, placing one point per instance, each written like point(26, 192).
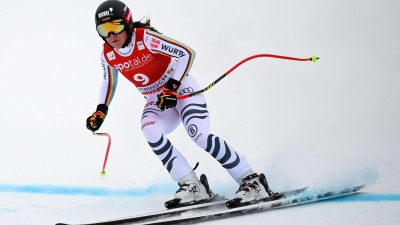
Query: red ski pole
point(313, 59)
point(103, 171)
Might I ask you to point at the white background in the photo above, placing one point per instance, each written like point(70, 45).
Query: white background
point(331, 123)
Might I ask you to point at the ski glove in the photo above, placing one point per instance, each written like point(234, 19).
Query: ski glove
point(168, 97)
point(94, 121)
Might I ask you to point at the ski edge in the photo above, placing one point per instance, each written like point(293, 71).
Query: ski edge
point(145, 216)
point(266, 206)
point(169, 212)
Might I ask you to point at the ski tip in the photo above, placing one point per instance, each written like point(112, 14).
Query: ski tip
point(356, 188)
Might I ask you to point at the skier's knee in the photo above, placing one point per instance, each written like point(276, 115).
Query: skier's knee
point(150, 129)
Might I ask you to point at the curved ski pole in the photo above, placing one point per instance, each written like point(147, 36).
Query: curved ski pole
point(313, 59)
point(103, 171)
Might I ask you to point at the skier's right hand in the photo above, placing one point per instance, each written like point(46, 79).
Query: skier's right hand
point(94, 121)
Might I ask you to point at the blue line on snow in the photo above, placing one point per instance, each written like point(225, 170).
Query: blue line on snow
point(89, 191)
point(368, 198)
point(154, 189)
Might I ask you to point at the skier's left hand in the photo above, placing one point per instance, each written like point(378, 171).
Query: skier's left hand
point(168, 97)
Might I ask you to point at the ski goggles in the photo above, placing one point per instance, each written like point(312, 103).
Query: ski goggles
point(114, 26)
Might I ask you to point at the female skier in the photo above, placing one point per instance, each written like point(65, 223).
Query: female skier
point(159, 68)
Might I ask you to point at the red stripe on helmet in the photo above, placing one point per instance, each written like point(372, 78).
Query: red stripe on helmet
point(128, 16)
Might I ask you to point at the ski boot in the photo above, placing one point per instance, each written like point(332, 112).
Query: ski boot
point(192, 191)
point(254, 189)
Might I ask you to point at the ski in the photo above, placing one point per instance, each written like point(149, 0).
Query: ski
point(258, 207)
point(218, 205)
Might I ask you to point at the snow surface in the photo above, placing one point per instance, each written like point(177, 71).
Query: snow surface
point(324, 125)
